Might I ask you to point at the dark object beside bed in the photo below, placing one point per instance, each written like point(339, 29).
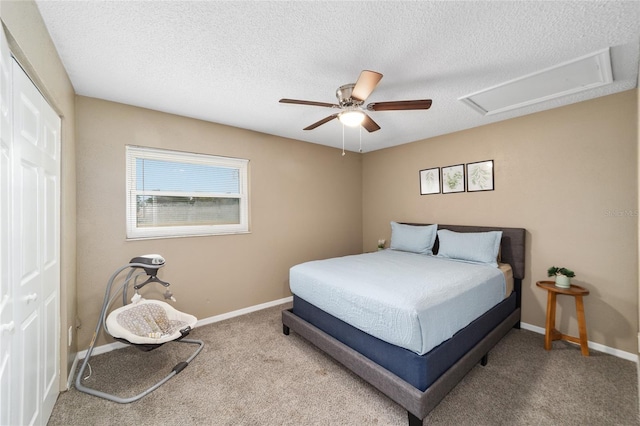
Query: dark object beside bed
point(416, 382)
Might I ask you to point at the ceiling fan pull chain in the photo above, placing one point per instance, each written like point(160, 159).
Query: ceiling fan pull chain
point(360, 127)
point(343, 140)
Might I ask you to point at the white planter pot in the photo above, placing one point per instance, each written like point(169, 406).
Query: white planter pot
point(563, 281)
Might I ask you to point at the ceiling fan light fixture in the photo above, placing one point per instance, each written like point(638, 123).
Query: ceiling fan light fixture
point(351, 118)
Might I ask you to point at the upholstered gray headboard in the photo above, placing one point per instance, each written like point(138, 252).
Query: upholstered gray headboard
point(512, 246)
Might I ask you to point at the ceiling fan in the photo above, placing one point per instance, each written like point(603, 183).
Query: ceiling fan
point(351, 99)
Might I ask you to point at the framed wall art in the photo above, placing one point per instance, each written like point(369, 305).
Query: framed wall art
point(453, 179)
point(480, 176)
point(430, 181)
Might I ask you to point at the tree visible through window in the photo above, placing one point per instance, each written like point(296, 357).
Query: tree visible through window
point(171, 193)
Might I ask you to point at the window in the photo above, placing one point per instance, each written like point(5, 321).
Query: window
point(172, 194)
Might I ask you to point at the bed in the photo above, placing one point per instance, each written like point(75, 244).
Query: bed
point(416, 381)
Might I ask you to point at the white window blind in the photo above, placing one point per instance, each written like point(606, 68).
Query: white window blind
point(172, 193)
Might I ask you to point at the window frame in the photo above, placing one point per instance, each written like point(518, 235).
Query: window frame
point(134, 232)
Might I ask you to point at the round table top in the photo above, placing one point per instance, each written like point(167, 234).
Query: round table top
point(574, 290)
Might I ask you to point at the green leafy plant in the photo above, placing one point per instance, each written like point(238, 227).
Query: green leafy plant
point(480, 177)
point(453, 179)
point(555, 270)
point(430, 177)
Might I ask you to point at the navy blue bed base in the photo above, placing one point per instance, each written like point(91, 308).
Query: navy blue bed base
point(418, 370)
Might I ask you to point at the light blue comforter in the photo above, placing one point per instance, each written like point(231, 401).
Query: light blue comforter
point(410, 300)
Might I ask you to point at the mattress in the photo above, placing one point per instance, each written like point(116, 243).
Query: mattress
point(409, 300)
point(418, 370)
point(507, 271)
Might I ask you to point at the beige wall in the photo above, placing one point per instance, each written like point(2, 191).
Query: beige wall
point(30, 43)
point(305, 203)
point(569, 176)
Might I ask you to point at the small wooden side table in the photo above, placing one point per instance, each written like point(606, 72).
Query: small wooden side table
point(551, 333)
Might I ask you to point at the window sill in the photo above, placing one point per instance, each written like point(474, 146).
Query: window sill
point(162, 237)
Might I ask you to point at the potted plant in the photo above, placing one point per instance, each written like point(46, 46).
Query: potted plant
point(563, 276)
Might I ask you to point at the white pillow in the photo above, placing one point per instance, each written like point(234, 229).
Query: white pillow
point(478, 247)
point(414, 239)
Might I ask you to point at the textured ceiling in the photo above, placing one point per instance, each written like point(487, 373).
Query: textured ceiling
point(230, 62)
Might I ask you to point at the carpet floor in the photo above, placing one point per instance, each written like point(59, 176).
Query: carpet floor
point(249, 373)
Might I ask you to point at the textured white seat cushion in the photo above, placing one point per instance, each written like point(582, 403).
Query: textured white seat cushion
point(148, 322)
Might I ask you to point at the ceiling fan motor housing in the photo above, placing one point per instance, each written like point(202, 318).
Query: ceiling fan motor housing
point(344, 96)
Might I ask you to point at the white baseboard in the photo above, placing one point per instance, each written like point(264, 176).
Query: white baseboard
point(244, 311)
point(72, 372)
point(217, 318)
point(592, 345)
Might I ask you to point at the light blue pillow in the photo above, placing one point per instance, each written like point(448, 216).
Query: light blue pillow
point(411, 238)
point(479, 247)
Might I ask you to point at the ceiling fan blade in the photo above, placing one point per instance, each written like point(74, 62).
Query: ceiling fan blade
point(313, 103)
point(321, 122)
point(369, 124)
point(367, 81)
point(399, 105)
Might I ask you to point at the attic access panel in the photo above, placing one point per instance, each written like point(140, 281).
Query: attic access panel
point(578, 75)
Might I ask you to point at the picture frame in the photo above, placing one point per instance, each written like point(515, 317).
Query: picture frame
point(430, 181)
point(453, 179)
point(480, 176)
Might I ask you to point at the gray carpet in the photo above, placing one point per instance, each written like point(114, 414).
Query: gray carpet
point(249, 373)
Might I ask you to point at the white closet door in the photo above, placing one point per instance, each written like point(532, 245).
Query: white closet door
point(32, 199)
point(7, 320)
point(50, 260)
point(36, 203)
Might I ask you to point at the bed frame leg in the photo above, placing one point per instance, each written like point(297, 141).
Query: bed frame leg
point(413, 420)
point(484, 360)
point(285, 330)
